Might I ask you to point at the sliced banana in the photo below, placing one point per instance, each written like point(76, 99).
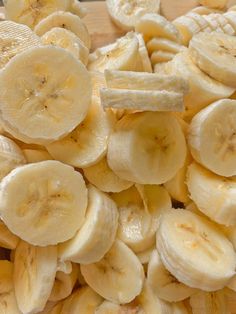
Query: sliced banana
point(187, 28)
point(64, 38)
point(77, 8)
point(6, 276)
point(87, 144)
point(154, 25)
point(118, 277)
point(199, 19)
point(104, 178)
point(194, 251)
point(156, 44)
point(7, 239)
point(164, 285)
point(145, 62)
point(204, 10)
point(144, 141)
point(36, 155)
point(126, 14)
point(161, 56)
point(215, 4)
point(231, 18)
point(31, 12)
point(215, 55)
point(15, 38)
point(213, 23)
point(43, 196)
point(8, 304)
point(139, 211)
point(97, 234)
point(65, 20)
point(98, 81)
point(34, 274)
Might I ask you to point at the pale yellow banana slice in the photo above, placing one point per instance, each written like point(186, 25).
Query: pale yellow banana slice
point(64, 284)
point(87, 144)
point(224, 24)
point(215, 55)
point(118, 277)
point(154, 25)
point(126, 14)
point(98, 232)
point(6, 276)
point(8, 304)
point(145, 63)
point(215, 4)
point(30, 12)
point(34, 274)
point(144, 141)
point(37, 86)
point(104, 178)
point(156, 44)
point(121, 55)
point(139, 211)
point(36, 155)
point(67, 21)
point(212, 137)
point(64, 38)
point(161, 56)
point(164, 285)
point(194, 251)
point(77, 8)
point(160, 68)
point(7, 239)
point(15, 38)
point(199, 19)
point(231, 18)
point(187, 28)
point(43, 196)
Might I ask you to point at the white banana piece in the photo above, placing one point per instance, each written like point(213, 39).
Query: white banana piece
point(126, 14)
point(163, 284)
point(36, 155)
point(145, 63)
point(30, 12)
point(156, 44)
point(15, 38)
point(77, 8)
point(64, 38)
point(161, 56)
point(144, 141)
point(7, 239)
point(34, 274)
point(52, 99)
point(160, 68)
point(215, 55)
point(6, 277)
point(215, 4)
point(190, 245)
point(65, 20)
point(139, 210)
point(8, 304)
point(87, 144)
point(43, 196)
point(98, 232)
point(118, 277)
point(187, 28)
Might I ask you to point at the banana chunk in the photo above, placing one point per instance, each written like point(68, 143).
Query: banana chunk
point(53, 195)
point(118, 277)
point(194, 251)
point(37, 87)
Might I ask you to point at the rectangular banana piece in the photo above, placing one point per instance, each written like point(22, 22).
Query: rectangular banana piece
point(142, 100)
point(145, 81)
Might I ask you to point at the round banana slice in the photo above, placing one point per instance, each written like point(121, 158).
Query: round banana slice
point(8, 304)
point(215, 55)
point(231, 18)
point(214, 195)
point(64, 38)
point(155, 25)
point(144, 141)
point(34, 275)
point(161, 56)
point(156, 44)
point(126, 14)
point(30, 12)
point(215, 4)
point(118, 277)
point(37, 87)
point(65, 20)
point(194, 251)
point(212, 137)
point(187, 28)
point(199, 19)
point(53, 195)
point(213, 23)
point(15, 38)
point(97, 234)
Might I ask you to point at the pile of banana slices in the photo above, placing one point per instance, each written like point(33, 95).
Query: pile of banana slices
point(118, 165)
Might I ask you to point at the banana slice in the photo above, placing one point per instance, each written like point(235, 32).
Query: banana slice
point(77, 8)
point(215, 4)
point(156, 44)
point(7, 239)
point(15, 38)
point(154, 25)
point(118, 277)
point(160, 68)
point(199, 19)
point(87, 144)
point(98, 81)
point(53, 194)
point(6, 276)
point(34, 274)
point(212, 137)
point(231, 18)
point(143, 54)
point(213, 195)
point(97, 234)
point(140, 208)
point(194, 251)
point(64, 38)
point(126, 14)
point(36, 155)
point(213, 23)
point(209, 302)
point(33, 11)
point(144, 141)
point(215, 55)
point(104, 178)
point(187, 28)
point(8, 304)
point(64, 284)
point(121, 55)
point(224, 24)
point(161, 56)
point(43, 93)
point(164, 285)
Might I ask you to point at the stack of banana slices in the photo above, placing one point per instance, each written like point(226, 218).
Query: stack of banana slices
point(117, 184)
